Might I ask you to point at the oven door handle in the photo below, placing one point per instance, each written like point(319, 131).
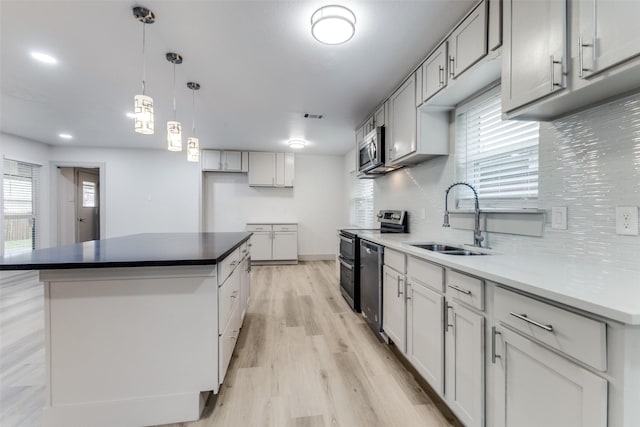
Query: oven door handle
point(348, 266)
point(346, 239)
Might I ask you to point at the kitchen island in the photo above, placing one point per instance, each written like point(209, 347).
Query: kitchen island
point(140, 329)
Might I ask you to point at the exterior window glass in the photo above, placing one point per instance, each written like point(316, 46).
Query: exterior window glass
point(21, 187)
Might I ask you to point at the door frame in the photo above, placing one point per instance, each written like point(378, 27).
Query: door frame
point(54, 202)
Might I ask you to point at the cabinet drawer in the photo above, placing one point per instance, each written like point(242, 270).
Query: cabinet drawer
point(244, 249)
point(228, 296)
point(395, 260)
point(425, 273)
point(227, 265)
point(466, 289)
point(570, 333)
point(259, 227)
point(285, 227)
point(227, 341)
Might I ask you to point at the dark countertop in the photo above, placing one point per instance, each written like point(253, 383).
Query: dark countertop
point(138, 250)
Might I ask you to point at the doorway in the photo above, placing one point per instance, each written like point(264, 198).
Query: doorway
point(78, 205)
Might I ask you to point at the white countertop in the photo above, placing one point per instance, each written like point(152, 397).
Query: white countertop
point(596, 288)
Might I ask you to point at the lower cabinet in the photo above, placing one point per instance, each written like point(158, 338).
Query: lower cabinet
point(465, 392)
point(274, 242)
point(393, 307)
point(537, 387)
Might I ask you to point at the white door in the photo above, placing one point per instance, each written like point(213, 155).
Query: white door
point(232, 161)
point(261, 246)
point(468, 42)
point(403, 120)
point(211, 160)
point(88, 205)
point(285, 245)
point(394, 319)
point(262, 169)
point(536, 387)
point(434, 72)
point(535, 44)
point(465, 364)
point(425, 334)
point(612, 29)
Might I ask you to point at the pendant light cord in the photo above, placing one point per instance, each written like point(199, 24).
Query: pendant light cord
point(144, 61)
point(193, 127)
point(174, 92)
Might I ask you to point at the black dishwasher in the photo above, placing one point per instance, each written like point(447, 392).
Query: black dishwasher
point(371, 284)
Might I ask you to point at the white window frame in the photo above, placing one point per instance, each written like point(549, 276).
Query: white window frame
point(35, 188)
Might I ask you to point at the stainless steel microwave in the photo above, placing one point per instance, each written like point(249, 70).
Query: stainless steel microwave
point(371, 151)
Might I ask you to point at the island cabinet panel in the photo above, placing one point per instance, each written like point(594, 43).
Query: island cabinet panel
point(394, 317)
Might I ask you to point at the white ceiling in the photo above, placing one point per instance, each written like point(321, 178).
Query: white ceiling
point(259, 67)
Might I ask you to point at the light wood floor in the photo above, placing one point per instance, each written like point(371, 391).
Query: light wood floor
point(303, 359)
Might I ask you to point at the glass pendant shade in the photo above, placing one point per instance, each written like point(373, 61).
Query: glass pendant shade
point(143, 111)
point(174, 136)
point(193, 149)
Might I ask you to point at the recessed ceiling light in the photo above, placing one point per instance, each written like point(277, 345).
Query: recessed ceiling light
point(43, 57)
point(130, 115)
point(297, 143)
point(65, 136)
point(333, 24)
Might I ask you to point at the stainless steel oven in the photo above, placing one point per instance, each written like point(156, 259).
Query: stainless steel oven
point(371, 151)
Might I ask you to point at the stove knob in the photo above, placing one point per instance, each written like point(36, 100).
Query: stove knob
point(379, 215)
point(396, 217)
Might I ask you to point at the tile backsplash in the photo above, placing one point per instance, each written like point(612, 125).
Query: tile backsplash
point(589, 162)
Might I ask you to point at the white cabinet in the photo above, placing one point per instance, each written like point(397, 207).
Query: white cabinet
point(425, 334)
point(393, 307)
point(468, 42)
point(534, 61)
point(225, 161)
point(464, 363)
point(245, 284)
point(402, 117)
point(380, 116)
point(271, 169)
point(536, 387)
point(495, 24)
point(274, 242)
point(434, 72)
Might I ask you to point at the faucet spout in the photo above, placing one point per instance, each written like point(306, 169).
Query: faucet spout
point(477, 234)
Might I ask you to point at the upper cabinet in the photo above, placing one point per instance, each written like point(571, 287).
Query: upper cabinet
point(495, 24)
point(534, 57)
point(271, 169)
point(434, 72)
point(225, 161)
point(468, 42)
point(402, 117)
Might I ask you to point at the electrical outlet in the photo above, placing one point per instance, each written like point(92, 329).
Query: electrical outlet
point(559, 217)
point(627, 220)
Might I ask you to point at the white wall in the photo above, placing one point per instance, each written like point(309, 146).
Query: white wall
point(589, 162)
point(316, 202)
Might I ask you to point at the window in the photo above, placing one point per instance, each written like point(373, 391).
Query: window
point(21, 182)
point(361, 202)
point(88, 194)
point(498, 157)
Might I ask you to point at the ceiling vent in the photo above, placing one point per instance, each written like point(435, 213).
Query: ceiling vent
point(313, 116)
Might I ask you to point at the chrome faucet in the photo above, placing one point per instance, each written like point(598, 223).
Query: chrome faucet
point(477, 234)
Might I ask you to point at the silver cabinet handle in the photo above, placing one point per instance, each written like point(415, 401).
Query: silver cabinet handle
point(494, 356)
point(234, 263)
point(524, 317)
point(452, 63)
point(346, 240)
point(446, 313)
point(407, 292)
point(554, 85)
point(464, 291)
point(581, 46)
point(234, 294)
point(441, 75)
point(398, 286)
point(349, 267)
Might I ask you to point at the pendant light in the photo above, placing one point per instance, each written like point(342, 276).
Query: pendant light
point(143, 104)
point(174, 128)
point(193, 145)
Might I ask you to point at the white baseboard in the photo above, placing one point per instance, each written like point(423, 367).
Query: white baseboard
point(321, 257)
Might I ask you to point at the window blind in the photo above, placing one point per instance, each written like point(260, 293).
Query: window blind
point(499, 158)
point(21, 189)
point(361, 202)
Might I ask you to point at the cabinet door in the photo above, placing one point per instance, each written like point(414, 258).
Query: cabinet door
point(393, 307)
point(465, 364)
point(285, 245)
point(380, 117)
point(232, 161)
point(468, 42)
point(211, 160)
point(536, 387)
point(495, 24)
point(609, 33)
point(535, 51)
point(434, 72)
point(369, 125)
point(403, 120)
point(262, 169)
point(289, 169)
point(245, 285)
point(261, 246)
point(425, 334)
point(279, 169)
point(360, 135)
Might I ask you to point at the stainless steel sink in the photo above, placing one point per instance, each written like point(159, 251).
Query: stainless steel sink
point(446, 249)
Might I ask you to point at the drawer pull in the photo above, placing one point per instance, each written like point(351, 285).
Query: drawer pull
point(524, 317)
point(234, 294)
point(494, 356)
point(448, 325)
point(464, 291)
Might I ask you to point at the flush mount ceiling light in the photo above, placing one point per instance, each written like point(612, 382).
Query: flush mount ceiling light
point(297, 143)
point(143, 104)
point(333, 24)
point(174, 128)
point(43, 57)
point(193, 144)
point(65, 136)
